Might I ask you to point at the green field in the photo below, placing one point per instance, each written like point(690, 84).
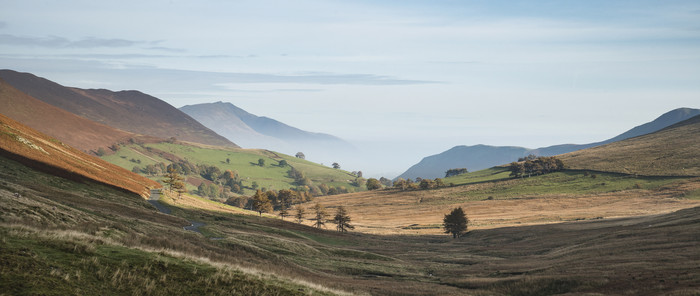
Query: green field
point(245, 161)
point(495, 184)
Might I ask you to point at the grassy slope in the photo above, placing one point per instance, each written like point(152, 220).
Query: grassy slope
point(556, 197)
point(245, 161)
point(670, 152)
point(42, 152)
point(63, 237)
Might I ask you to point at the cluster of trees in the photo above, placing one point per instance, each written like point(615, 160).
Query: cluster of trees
point(532, 165)
point(408, 184)
point(455, 172)
point(305, 184)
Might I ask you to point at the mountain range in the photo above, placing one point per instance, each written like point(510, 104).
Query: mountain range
point(479, 157)
point(130, 111)
point(252, 131)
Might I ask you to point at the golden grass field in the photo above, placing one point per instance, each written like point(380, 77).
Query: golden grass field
point(416, 212)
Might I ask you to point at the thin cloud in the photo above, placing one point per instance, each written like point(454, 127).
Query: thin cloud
point(61, 42)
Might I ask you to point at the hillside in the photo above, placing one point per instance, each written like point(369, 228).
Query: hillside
point(244, 162)
point(72, 238)
point(252, 131)
point(36, 150)
point(130, 111)
point(481, 157)
point(59, 123)
point(673, 151)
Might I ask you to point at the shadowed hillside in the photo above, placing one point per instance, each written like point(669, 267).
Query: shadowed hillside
point(43, 153)
point(131, 111)
point(672, 151)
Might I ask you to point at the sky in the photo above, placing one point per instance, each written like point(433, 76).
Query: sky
point(400, 80)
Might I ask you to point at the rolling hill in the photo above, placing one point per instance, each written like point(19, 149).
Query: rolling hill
point(672, 151)
point(34, 149)
point(71, 129)
point(130, 111)
point(481, 157)
point(251, 131)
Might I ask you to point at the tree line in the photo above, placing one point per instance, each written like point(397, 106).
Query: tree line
point(535, 165)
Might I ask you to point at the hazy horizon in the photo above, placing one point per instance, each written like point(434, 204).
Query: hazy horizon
point(401, 80)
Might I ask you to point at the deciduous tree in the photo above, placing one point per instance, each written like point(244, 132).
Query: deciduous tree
point(261, 203)
point(456, 222)
point(373, 184)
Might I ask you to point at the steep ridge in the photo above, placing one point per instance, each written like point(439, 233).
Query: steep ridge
point(36, 150)
point(131, 111)
point(252, 131)
point(481, 156)
point(73, 130)
point(672, 151)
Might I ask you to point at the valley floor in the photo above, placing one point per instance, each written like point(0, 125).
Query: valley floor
point(62, 237)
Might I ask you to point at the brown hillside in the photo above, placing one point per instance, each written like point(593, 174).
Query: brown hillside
point(131, 111)
point(71, 129)
point(674, 151)
point(36, 150)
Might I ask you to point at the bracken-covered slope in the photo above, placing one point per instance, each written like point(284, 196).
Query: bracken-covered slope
point(131, 111)
point(71, 129)
point(34, 149)
point(673, 151)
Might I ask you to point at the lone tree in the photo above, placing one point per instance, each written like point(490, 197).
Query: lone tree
point(261, 162)
point(261, 203)
point(342, 220)
point(336, 165)
point(284, 211)
point(455, 222)
point(320, 218)
point(300, 155)
point(373, 184)
point(299, 214)
point(171, 178)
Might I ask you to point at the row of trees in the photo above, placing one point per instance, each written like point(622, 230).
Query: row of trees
point(535, 166)
point(262, 204)
point(408, 184)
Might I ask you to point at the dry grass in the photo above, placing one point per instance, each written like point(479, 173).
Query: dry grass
point(417, 212)
point(670, 152)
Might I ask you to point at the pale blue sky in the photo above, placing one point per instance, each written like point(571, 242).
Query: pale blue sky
point(400, 79)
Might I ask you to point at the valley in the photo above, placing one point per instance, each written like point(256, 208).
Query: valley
point(619, 218)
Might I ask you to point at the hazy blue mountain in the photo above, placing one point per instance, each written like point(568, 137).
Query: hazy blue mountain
point(252, 131)
point(479, 157)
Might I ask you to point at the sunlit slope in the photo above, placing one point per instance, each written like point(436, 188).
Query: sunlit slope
point(244, 161)
point(131, 111)
point(674, 151)
point(71, 129)
point(39, 151)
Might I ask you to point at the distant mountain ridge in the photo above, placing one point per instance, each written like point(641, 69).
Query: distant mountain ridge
point(482, 156)
point(252, 131)
point(131, 111)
